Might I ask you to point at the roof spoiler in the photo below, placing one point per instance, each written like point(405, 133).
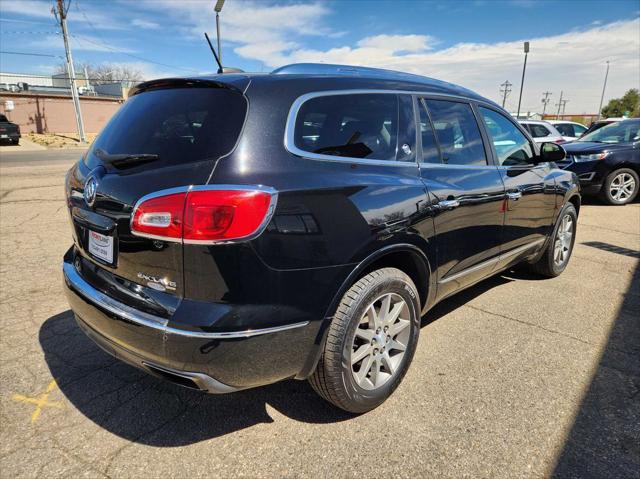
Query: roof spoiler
point(181, 83)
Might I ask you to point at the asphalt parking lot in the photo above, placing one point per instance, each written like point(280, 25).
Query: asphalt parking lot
point(516, 377)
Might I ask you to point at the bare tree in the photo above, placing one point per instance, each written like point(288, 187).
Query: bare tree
point(107, 73)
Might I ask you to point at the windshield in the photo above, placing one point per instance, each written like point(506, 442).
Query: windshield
point(176, 125)
point(618, 132)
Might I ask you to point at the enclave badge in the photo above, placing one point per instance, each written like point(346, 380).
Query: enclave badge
point(90, 189)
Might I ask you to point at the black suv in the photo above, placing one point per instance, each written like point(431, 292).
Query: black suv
point(607, 161)
point(9, 131)
point(240, 229)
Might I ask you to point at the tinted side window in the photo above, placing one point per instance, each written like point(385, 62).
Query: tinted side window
point(579, 129)
point(511, 146)
point(430, 153)
point(353, 126)
point(457, 132)
point(3, 119)
point(565, 129)
point(538, 131)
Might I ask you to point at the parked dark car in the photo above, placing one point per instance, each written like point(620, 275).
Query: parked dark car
point(237, 230)
point(596, 125)
point(607, 161)
point(9, 132)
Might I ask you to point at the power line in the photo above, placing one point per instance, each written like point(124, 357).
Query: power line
point(505, 90)
point(27, 32)
point(85, 39)
point(105, 45)
point(29, 54)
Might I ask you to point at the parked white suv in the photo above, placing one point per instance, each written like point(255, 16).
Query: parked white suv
point(570, 130)
point(542, 131)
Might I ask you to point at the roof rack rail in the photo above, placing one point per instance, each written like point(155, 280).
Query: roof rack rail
point(332, 69)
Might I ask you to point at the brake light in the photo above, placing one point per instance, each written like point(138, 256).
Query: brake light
point(204, 215)
point(560, 141)
point(160, 217)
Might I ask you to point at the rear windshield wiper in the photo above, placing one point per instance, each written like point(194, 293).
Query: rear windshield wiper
point(124, 158)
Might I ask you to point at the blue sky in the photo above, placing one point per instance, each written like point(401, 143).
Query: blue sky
point(477, 44)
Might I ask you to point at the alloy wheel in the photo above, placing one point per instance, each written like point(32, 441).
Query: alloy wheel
point(380, 341)
point(562, 245)
point(622, 187)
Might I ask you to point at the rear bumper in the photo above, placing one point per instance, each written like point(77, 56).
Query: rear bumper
point(212, 361)
point(10, 136)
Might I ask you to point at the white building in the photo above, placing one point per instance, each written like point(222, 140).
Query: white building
point(7, 79)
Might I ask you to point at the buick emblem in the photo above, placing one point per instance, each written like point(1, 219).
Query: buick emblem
point(90, 188)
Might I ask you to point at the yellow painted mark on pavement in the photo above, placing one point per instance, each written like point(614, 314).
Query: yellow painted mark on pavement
point(40, 402)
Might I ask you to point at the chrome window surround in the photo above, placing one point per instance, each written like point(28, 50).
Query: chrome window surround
point(186, 189)
point(78, 285)
point(289, 134)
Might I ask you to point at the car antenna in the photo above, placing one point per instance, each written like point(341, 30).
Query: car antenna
point(214, 53)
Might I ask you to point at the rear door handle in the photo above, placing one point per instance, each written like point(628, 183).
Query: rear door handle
point(514, 195)
point(448, 204)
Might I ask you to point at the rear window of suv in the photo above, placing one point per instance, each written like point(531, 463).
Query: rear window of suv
point(352, 126)
point(181, 125)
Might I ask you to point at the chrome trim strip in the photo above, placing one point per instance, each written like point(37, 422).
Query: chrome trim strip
point(98, 298)
point(289, 133)
point(456, 166)
point(587, 176)
point(489, 262)
point(522, 248)
point(203, 381)
point(88, 292)
point(183, 189)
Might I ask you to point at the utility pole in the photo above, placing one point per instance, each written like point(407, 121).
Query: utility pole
point(559, 104)
point(524, 69)
point(603, 88)
point(218, 9)
point(62, 12)
point(564, 104)
point(545, 102)
point(505, 90)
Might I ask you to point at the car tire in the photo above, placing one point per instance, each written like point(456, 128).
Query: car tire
point(557, 252)
point(614, 191)
point(360, 385)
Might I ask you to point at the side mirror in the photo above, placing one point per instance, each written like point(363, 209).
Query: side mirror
point(551, 152)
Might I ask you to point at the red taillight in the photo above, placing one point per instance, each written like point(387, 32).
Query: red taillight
point(203, 215)
point(160, 217)
point(560, 141)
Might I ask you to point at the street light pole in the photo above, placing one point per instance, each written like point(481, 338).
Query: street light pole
point(71, 72)
point(218, 9)
point(603, 88)
point(524, 69)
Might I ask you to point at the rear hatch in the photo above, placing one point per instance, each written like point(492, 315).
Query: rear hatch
point(168, 135)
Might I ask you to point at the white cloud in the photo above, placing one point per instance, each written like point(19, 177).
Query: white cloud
point(30, 8)
point(573, 62)
point(147, 24)
point(256, 30)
